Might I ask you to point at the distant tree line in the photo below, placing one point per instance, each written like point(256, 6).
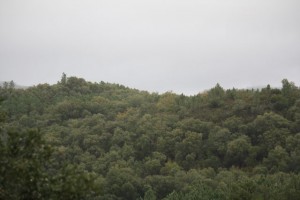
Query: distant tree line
point(82, 140)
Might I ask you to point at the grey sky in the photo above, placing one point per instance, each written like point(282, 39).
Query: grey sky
point(157, 45)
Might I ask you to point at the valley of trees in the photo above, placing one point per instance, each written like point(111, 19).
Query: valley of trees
point(101, 141)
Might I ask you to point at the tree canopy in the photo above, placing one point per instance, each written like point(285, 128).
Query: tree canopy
point(82, 140)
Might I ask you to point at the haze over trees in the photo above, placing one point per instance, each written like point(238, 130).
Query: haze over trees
point(82, 140)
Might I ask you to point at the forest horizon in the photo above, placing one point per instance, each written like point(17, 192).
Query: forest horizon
point(101, 141)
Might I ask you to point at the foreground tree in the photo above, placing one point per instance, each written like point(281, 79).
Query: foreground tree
point(24, 172)
point(23, 159)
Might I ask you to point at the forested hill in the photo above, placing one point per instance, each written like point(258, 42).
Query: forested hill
point(83, 140)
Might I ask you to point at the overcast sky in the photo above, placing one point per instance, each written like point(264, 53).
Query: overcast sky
point(185, 46)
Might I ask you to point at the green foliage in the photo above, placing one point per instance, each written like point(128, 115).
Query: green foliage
point(238, 151)
point(23, 156)
point(83, 140)
point(24, 174)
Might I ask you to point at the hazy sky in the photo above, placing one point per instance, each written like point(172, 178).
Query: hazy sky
point(157, 45)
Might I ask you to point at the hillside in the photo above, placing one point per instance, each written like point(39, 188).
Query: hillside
point(107, 141)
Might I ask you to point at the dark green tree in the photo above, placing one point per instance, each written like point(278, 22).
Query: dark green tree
point(23, 158)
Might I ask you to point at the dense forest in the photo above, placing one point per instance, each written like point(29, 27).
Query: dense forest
point(101, 141)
